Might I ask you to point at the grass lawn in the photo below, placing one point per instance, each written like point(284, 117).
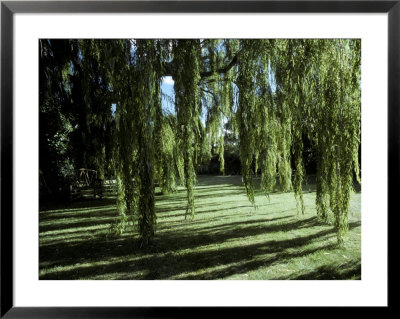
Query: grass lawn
point(227, 239)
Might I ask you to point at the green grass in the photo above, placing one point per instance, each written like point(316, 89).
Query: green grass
point(228, 239)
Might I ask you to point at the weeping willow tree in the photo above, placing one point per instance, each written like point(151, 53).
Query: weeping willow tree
point(138, 116)
point(337, 129)
point(317, 94)
point(126, 142)
point(187, 76)
point(274, 93)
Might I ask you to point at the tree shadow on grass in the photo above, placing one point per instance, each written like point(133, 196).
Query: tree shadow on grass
point(238, 260)
point(225, 225)
point(97, 220)
point(76, 204)
point(249, 265)
point(174, 253)
point(349, 270)
point(58, 218)
point(173, 240)
point(196, 252)
point(199, 211)
point(216, 235)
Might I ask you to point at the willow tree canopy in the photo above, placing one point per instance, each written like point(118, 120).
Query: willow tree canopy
point(273, 92)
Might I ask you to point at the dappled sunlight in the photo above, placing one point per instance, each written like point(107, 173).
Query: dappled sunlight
point(227, 239)
point(283, 113)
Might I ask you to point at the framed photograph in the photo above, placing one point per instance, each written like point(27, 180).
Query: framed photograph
point(161, 156)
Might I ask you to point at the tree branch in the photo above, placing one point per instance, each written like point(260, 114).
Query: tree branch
point(207, 91)
point(169, 71)
point(221, 70)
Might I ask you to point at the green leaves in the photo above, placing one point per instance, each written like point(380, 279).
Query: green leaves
point(316, 94)
point(186, 61)
point(275, 94)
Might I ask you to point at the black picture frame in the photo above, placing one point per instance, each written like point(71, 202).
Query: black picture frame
point(9, 8)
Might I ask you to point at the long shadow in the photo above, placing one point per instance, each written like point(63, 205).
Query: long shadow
point(102, 212)
point(213, 237)
point(84, 222)
point(349, 270)
point(225, 225)
point(95, 249)
point(164, 209)
point(198, 212)
point(76, 204)
point(165, 259)
point(161, 209)
point(237, 269)
point(164, 266)
point(174, 241)
point(166, 225)
point(104, 229)
point(95, 218)
point(168, 242)
point(75, 236)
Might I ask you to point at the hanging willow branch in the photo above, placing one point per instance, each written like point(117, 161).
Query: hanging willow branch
point(274, 93)
point(187, 75)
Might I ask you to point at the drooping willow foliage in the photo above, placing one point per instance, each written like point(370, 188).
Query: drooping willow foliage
point(275, 95)
point(338, 129)
point(138, 117)
point(167, 173)
point(187, 76)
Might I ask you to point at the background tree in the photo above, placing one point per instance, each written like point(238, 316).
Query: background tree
point(55, 116)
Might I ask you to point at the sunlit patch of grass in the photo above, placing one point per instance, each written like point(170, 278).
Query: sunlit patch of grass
point(227, 239)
